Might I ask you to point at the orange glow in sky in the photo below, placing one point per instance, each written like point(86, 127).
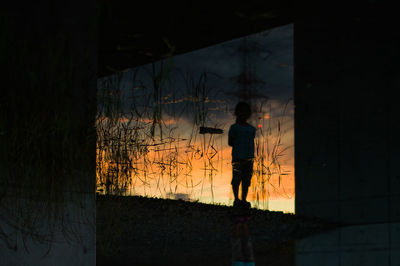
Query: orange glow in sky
point(201, 169)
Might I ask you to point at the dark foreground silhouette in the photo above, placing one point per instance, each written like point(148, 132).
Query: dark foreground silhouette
point(151, 231)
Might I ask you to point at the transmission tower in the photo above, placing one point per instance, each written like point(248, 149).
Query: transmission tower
point(249, 84)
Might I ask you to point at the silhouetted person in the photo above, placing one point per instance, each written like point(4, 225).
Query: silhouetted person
point(241, 138)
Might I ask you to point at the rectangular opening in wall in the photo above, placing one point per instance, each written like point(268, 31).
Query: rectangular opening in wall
point(163, 127)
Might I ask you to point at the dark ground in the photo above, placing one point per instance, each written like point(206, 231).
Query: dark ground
point(150, 231)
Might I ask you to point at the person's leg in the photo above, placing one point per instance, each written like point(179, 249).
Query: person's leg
point(235, 180)
point(235, 189)
point(245, 190)
point(247, 172)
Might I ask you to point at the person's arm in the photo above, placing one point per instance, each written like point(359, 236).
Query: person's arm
point(231, 138)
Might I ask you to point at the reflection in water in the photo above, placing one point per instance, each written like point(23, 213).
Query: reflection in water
point(149, 121)
point(364, 245)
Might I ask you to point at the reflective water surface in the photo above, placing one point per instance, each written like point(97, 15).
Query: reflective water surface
point(364, 245)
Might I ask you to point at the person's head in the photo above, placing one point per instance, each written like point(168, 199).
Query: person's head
point(242, 111)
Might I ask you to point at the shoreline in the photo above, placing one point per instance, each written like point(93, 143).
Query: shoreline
point(152, 231)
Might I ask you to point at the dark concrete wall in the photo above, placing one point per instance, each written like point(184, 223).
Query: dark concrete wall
point(132, 35)
point(346, 116)
point(47, 136)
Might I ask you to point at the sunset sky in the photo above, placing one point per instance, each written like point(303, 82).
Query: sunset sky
point(270, 59)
